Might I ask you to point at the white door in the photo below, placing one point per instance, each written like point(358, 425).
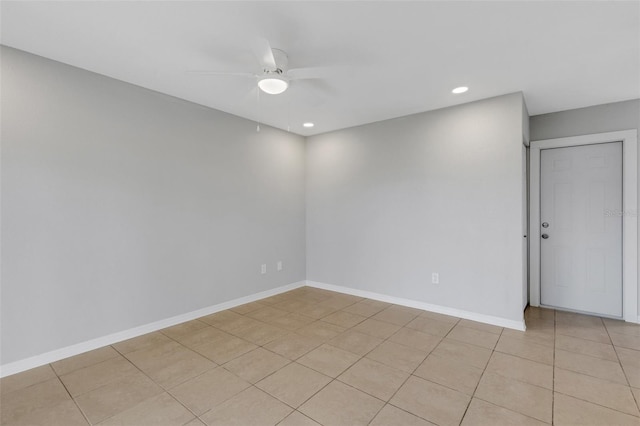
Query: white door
point(581, 228)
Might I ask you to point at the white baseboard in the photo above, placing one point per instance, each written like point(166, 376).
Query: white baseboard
point(58, 354)
point(487, 319)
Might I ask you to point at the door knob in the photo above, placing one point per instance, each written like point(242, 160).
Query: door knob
point(545, 236)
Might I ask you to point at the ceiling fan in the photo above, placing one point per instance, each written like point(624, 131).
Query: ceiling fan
point(275, 75)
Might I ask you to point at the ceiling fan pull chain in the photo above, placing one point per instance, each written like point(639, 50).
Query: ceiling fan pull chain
point(259, 111)
point(289, 112)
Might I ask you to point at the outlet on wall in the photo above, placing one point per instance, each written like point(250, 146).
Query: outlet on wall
point(263, 268)
point(435, 278)
point(279, 265)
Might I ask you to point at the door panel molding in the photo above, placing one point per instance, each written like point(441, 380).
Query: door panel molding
point(629, 139)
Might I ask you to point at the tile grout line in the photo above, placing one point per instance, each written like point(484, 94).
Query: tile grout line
point(598, 378)
point(254, 384)
point(294, 361)
point(622, 367)
point(291, 362)
point(174, 339)
point(58, 377)
point(414, 370)
point(481, 376)
point(517, 380)
point(327, 342)
point(588, 374)
point(104, 385)
point(355, 362)
point(513, 411)
point(583, 354)
point(441, 339)
point(526, 359)
point(597, 404)
point(165, 390)
point(70, 396)
point(388, 402)
point(317, 301)
point(610, 382)
point(333, 379)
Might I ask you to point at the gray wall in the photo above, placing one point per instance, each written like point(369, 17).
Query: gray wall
point(122, 206)
point(391, 202)
point(585, 121)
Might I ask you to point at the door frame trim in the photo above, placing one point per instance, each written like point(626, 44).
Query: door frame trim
point(629, 139)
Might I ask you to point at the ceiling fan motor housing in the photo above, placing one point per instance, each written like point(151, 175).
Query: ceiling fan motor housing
point(282, 62)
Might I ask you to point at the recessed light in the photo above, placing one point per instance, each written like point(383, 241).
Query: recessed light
point(308, 124)
point(459, 90)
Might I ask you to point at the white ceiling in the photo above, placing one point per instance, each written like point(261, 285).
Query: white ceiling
point(390, 58)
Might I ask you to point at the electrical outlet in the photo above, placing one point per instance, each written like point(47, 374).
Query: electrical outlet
point(435, 278)
point(279, 265)
point(263, 268)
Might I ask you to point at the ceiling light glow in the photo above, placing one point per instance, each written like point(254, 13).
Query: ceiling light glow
point(459, 90)
point(308, 125)
point(273, 86)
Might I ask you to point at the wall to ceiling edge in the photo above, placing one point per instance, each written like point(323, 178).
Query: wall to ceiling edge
point(391, 203)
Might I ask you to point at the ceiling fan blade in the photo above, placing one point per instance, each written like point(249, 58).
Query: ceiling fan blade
point(262, 50)
point(311, 72)
point(311, 92)
point(227, 73)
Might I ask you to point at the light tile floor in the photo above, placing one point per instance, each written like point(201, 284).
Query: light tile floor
point(311, 356)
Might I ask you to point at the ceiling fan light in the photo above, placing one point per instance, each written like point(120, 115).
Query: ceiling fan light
point(273, 86)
